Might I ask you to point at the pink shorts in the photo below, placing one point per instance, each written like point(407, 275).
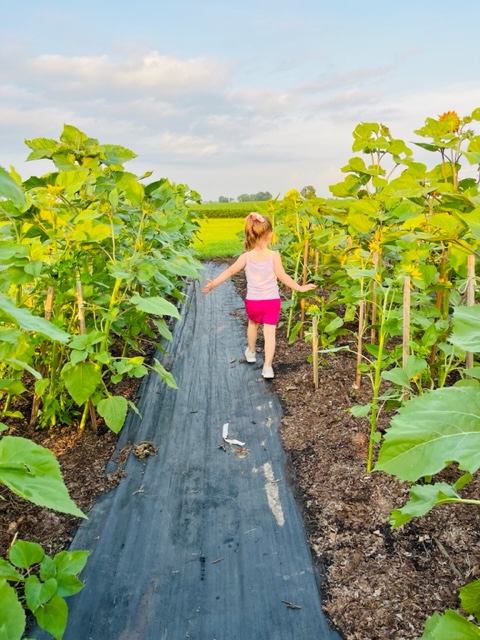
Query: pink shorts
point(263, 311)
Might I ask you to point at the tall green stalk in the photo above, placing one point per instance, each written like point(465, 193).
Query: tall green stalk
point(111, 307)
point(377, 377)
point(292, 306)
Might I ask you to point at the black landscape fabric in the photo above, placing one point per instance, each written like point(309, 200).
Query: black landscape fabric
point(202, 540)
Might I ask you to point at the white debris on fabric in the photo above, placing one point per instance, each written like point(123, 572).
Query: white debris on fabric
point(273, 495)
point(230, 440)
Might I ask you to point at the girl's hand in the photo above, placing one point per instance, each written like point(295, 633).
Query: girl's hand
point(208, 287)
point(306, 287)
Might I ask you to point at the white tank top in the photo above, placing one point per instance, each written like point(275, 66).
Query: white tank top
point(262, 282)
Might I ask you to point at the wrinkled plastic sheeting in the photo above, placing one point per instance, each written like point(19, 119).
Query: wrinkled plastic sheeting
point(198, 541)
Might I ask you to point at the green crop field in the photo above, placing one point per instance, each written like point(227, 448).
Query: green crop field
point(219, 238)
point(226, 209)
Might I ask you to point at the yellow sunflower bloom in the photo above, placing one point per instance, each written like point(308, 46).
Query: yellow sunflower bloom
point(452, 119)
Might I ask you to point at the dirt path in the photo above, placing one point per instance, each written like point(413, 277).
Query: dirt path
point(202, 540)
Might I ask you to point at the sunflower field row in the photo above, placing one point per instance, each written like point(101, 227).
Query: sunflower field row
point(90, 258)
point(395, 249)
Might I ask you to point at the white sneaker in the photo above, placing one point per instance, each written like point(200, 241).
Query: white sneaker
point(250, 355)
point(267, 372)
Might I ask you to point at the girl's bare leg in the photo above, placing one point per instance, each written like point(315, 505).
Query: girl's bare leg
point(252, 331)
point(269, 337)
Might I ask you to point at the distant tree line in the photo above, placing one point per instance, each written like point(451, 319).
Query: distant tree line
point(248, 197)
point(306, 192)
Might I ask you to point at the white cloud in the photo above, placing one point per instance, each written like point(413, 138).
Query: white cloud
point(186, 145)
point(267, 102)
point(151, 71)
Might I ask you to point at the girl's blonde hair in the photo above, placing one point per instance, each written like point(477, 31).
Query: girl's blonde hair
point(256, 227)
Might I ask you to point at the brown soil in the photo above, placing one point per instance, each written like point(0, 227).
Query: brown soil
point(82, 456)
point(378, 583)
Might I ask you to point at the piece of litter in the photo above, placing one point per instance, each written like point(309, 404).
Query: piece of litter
point(229, 440)
point(237, 442)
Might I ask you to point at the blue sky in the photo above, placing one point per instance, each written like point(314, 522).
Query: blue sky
point(232, 97)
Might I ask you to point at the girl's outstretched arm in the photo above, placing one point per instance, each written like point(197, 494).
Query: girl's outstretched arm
point(225, 275)
point(283, 276)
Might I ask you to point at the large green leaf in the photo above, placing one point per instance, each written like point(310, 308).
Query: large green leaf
point(8, 250)
point(398, 376)
point(117, 155)
point(8, 572)
point(12, 615)
point(355, 273)
point(465, 334)
point(431, 431)
point(38, 593)
point(81, 380)
point(72, 181)
point(165, 375)
point(472, 218)
point(181, 266)
point(33, 472)
point(73, 136)
point(42, 148)
point(473, 157)
point(422, 499)
point(87, 231)
point(450, 626)
point(156, 305)
point(165, 331)
point(10, 190)
point(134, 191)
point(52, 616)
point(333, 325)
point(24, 554)
point(114, 411)
point(470, 598)
point(70, 562)
point(68, 585)
point(445, 222)
point(360, 222)
point(402, 377)
point(12, 386)
point(47, 568)
point(24, 319)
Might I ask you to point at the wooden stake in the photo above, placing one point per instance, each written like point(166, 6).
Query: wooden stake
point(361, 310)
point(81, 312)
point(470, 299)
point(315, 351)
point(49, 302)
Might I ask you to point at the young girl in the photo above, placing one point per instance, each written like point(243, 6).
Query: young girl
point(262, 304)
